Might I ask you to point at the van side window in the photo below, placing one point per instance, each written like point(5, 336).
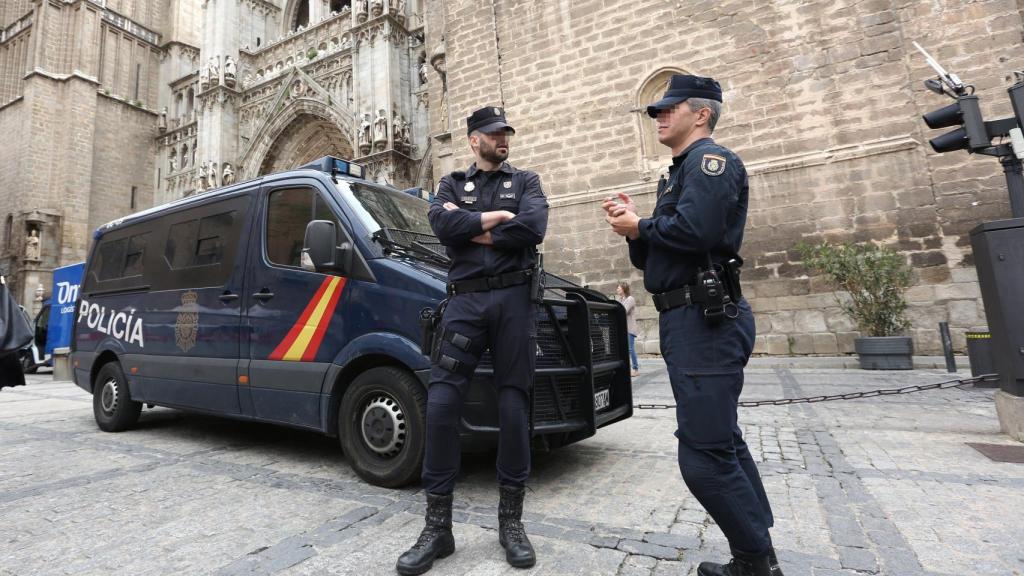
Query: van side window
point(198, 242)
point(288, 212)
point(121, 258)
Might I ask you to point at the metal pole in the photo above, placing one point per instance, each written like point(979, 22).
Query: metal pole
point(947, 347)
point(1014, 183)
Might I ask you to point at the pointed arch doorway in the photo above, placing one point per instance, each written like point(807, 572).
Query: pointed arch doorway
point(306, 138)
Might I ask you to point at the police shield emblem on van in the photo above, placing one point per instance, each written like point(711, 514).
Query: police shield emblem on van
point(186, 328)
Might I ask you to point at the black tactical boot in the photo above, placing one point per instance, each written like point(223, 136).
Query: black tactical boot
point(773, 563)
point(435, 541)
point(736, 567)
point(511, 535)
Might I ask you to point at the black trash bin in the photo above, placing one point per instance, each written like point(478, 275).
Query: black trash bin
point(979, 351)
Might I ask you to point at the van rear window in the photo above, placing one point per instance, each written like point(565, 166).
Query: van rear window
point(121, 258)
point(198, 242)
point(191, 248)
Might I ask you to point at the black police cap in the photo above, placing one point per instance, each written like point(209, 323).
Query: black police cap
point(683, 86)
point(488, 119)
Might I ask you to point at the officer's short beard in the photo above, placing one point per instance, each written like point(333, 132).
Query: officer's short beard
point(491, 153)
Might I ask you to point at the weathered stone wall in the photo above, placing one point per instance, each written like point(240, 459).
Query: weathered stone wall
point(80, 136)
point(114, 174)
point(822, 101)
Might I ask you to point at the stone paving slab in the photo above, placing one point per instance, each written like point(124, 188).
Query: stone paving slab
point(870, 486)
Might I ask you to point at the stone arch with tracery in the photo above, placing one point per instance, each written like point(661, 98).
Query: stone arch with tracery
point(654, 156)
point(303, 131)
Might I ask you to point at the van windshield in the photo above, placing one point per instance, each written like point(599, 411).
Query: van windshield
point(381, 207)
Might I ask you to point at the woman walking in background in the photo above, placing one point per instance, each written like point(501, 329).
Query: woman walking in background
point(627, 301)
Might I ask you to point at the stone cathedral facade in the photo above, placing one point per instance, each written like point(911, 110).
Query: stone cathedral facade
point(111, 106)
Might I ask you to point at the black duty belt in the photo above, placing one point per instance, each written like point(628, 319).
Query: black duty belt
point(486, 283)
point(679, 297)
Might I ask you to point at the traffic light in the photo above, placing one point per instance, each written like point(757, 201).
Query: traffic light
point(965, 112)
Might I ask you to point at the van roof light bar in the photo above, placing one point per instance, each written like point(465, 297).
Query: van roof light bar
point(333, 166)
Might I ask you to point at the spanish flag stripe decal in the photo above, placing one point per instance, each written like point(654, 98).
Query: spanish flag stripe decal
point(278, 353)
point(321, 328)
point(305, 335)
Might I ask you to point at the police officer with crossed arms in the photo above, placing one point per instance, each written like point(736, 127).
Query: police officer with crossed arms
point(490, 218)
point(689, 252)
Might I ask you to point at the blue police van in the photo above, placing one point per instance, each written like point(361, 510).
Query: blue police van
point(295, 299)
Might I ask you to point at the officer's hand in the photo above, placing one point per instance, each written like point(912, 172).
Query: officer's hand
point(506, 215)
point(484, 239)
point(449, 206)
point(627, 202)
point(626, 224)
point(623, 205)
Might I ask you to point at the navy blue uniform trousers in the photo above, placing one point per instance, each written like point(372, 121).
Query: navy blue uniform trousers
point(705, 364)
point(505, 321)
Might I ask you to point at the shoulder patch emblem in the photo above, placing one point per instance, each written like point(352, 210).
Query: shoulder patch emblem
point(712, 164)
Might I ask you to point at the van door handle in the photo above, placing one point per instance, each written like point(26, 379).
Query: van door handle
point(227, 297)
point(263, 295)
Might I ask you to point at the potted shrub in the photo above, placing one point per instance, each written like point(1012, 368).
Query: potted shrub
point(876, 279)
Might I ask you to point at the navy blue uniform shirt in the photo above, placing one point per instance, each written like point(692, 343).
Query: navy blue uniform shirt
point(701, 209)
point(515, 241)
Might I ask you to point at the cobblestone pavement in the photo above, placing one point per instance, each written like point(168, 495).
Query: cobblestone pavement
point(875, 486)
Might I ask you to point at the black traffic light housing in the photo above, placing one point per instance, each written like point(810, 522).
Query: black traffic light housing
point(972, 135)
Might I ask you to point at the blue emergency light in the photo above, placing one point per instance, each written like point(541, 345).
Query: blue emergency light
point(332, 165)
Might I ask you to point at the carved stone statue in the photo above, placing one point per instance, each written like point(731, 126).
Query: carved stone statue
point(398, 9)
point(173, 163)
point(437, 57)
point(423, 73)
point(211, 176)
point(201, 178)
point(359, 9)
point(228, 176)
point(229, 72)
point(380, 130)
point(396, 128)
point(364, 134)
point(214, 71)
point(376, 7)
point(204, 78)
point(161, 124)
point(32, 246)
point(406, 135)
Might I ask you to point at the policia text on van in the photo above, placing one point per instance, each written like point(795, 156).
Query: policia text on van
point(295, 299)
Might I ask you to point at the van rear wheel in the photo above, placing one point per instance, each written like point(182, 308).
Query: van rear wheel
point(112, 405)
point(382, 426)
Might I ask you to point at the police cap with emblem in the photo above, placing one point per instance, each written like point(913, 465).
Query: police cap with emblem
point(488, 119)
point(683, 86)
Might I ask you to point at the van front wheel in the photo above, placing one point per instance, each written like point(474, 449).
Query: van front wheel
point(382, 426)
point(112, 405)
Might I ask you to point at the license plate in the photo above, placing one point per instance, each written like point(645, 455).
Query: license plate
point(602, 399)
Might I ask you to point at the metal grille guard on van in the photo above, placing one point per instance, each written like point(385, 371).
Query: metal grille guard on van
point(571, 370)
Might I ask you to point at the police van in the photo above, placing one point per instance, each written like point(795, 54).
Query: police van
point(295, 299)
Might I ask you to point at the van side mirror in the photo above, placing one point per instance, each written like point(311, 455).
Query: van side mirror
point(318, 250)
point(320, 253)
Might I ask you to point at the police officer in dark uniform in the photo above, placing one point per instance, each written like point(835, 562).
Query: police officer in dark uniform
point(689, 252)
point(490, 219)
